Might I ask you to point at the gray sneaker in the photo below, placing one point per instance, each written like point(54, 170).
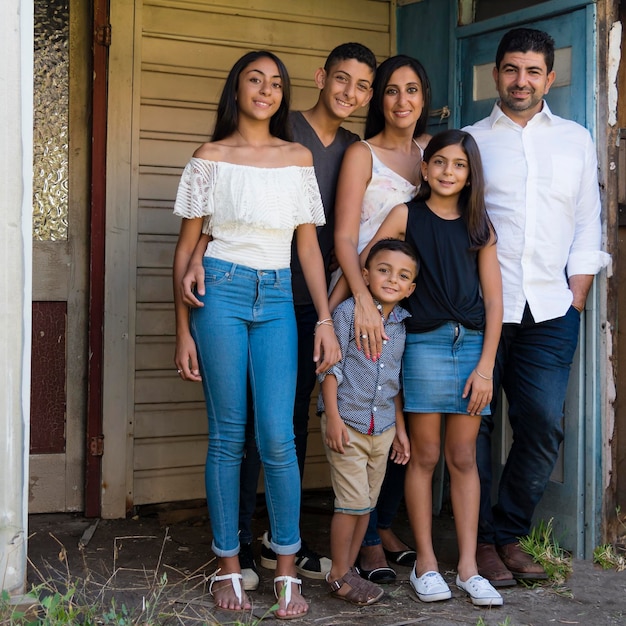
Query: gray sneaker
point(248, 567)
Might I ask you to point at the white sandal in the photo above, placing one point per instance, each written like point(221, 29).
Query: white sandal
point(235, 580)
point(287, 582)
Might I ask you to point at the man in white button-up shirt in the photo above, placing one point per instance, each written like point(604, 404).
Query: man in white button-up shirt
point(543, 198)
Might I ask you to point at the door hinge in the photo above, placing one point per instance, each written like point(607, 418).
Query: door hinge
point(96, 445)
point(103, 35)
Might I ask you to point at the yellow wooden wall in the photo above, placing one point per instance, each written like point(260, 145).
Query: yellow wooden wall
point(183, 51)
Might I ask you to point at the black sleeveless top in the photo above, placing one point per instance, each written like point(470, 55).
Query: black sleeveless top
point(447, 286)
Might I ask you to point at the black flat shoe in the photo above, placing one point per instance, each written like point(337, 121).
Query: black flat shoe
point(403, 557)
point(378, 575)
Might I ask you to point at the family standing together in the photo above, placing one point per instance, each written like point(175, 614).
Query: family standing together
point(463, 262)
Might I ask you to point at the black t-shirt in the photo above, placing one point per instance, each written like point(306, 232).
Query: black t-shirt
point(447, 286)
point(327, 163)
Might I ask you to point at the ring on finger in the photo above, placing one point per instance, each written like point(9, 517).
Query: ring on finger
point(363, 336)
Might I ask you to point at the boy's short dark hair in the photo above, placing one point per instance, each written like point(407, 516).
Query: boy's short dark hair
point(347, 51)
point(395, 245)
point(527, 40)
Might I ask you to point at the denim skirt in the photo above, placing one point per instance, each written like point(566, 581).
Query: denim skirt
point(436, 366)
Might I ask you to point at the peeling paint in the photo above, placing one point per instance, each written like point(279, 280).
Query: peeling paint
point(614, 55)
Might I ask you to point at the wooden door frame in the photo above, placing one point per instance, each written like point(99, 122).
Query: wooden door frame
point(101, 38)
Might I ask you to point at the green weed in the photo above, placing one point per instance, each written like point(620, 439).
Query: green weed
point(607, 557)
point(545, 549)
point(506, 622)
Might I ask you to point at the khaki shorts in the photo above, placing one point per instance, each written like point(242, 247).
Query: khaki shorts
point(358, 474)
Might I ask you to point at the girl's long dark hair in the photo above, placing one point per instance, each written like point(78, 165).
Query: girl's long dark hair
point(228, 112)
point(472, 197)
point(375, 121)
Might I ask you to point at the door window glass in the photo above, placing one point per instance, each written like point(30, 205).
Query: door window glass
point(484, 9)
point(51, 113)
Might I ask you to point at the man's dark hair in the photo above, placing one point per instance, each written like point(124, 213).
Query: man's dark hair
point(347, 51)
point(395, 245)
point(527, 40)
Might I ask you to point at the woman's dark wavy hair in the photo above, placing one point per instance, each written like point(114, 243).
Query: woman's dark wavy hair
point(375, 121)
point(472, 198)
point(228, 111)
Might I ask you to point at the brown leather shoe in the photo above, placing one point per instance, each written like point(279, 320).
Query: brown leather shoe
point(521, 564)
point(491, 567)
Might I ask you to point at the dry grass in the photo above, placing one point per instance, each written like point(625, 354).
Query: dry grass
point(124, 596)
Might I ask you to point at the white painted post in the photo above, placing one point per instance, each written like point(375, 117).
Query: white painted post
point(16, 172)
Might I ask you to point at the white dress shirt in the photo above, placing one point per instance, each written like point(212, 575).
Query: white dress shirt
point(542, 195)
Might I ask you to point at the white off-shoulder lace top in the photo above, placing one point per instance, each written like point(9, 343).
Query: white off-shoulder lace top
point(251, 212)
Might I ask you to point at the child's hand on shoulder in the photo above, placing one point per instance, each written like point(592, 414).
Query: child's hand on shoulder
point(400, 452)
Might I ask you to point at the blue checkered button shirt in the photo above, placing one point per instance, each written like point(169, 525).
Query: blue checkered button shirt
point(366, 389)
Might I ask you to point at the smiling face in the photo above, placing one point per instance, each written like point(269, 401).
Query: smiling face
point(260, 89)
point(345, 87)
point(390, 275)
point(447, 171)
point(522, 80)
point(403, 99)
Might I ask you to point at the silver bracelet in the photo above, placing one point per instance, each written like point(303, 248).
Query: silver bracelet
point(325, 322)
point(483, 376)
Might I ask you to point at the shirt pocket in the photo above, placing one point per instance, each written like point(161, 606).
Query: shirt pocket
point(567, 174)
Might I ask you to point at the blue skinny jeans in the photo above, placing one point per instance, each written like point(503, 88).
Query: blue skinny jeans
point(306, 316)
point(246, 331)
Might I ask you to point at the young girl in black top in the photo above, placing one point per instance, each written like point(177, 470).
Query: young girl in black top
point(452, 338)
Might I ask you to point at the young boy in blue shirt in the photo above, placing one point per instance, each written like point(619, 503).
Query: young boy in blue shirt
point(362, 419)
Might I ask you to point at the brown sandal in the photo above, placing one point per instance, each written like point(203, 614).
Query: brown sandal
point(362, 592)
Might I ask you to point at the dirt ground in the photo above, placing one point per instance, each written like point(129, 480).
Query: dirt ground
point(155, 564)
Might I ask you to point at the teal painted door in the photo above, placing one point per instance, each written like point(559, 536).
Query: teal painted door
point(566, 499)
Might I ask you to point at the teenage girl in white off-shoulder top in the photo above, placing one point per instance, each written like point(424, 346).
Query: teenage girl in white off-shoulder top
point(246, 191)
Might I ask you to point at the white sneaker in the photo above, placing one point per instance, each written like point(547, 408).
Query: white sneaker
point(481, 592)
point(430, 587)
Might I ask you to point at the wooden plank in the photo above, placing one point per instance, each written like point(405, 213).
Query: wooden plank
point(214, 59)
point(165, 386)
point(157, 218)
point(156, 251)
point(46, 486)
point(154, 353)
point(162, 186)
point(166, 452)
point(155, 319)
point(170, 420)
point(121, 200)
point(52, 265)
point(151, 487)
point(197, 122)
point(369, 12)
point(270, 30)
point(174, 86)
point(154, 285)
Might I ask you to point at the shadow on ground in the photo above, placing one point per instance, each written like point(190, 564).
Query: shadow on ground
point(155, 564)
